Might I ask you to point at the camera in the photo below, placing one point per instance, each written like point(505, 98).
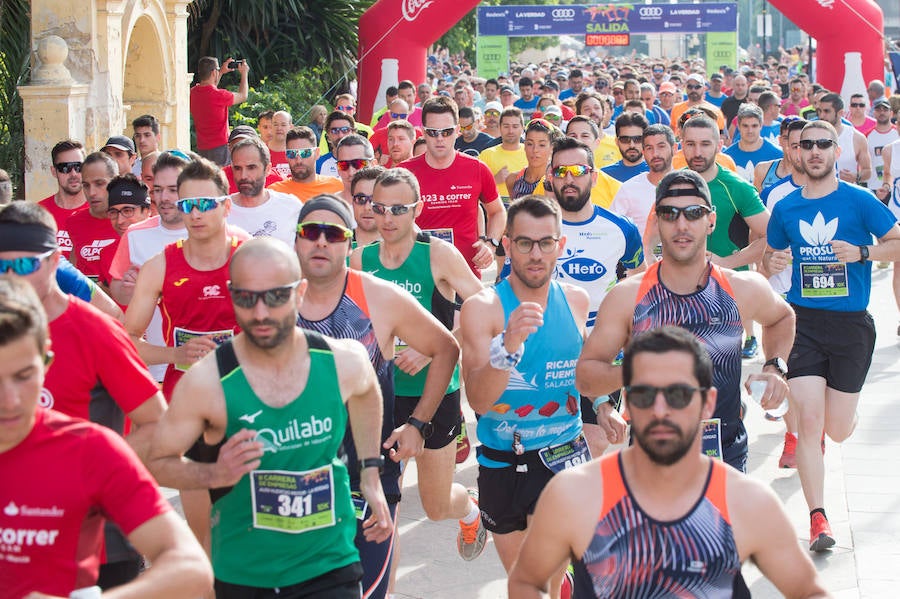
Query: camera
point(234, 63)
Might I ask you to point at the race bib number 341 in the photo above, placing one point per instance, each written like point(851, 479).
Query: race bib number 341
point(293, 502)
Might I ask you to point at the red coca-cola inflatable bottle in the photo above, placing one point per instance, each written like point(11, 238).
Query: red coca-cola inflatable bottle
point(399, 30)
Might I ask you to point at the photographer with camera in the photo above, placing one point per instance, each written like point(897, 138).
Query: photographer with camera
point(209, 106)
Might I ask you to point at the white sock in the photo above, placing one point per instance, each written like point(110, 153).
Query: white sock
point(473, 514)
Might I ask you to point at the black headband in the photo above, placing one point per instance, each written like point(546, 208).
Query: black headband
point(26, 237)
point(681, 192)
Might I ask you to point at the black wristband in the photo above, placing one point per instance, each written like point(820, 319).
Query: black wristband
point(372, 463)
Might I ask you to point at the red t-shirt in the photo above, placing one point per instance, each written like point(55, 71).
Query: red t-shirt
point(61, 215)
point(451, 198)
point(209, 107)
point(92, 350)
point(279, 163)
point(271, 177)
point(89, 236)
point(58, 484)
point(193, 303)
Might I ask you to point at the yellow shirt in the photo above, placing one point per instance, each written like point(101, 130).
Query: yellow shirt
point(606, 153)
point(605, 190)
point(305, 191)
point(496, 158)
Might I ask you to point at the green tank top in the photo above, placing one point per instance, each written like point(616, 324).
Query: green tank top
point(415, 276)
point(292, 519)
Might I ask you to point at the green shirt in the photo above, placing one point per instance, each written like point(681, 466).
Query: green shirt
point(291, 519)
point(734, 200)
point(415, 276)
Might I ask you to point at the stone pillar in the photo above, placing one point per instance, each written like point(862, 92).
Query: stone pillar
point(52, 103)
point(179, 125)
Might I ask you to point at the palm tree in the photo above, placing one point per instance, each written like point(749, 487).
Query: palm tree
point(15, 42)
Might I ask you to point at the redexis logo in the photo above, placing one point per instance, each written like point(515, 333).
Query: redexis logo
point(580, 267)
point(818, 235)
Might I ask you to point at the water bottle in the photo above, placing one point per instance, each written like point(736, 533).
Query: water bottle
point(757, 388)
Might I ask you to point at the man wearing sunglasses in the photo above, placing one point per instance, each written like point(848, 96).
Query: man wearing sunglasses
point(471, 140)
point(337, 126)
point(883, 134)
point(629, 138)
point(353, 153)
point(436, 274)
point(259, 211)
point(696, 88)
point(686, 289)
point(91, 229)
point(454, 187)
point(521, 340)
point(302, 153)
point(276, 470)
point(66, 159)
point(349, 304)
point(853, 160)
point(654, 485)
point(833, 251)
point(363, 187)
point(98, 375)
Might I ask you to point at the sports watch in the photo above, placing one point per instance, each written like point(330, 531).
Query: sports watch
point(490, 240)
point(863, 254)
point(372, 463)
point(779, 364)
point(426, 429)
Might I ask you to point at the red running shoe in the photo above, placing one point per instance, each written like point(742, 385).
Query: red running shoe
point(789, 453)
point(820, 535)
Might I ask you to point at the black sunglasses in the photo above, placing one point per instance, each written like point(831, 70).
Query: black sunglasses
point(277, 296)
point(691, 213)
point(635, 139)
point(677, 396)
point(361, 199)
point(822, 144)
point(67, 167)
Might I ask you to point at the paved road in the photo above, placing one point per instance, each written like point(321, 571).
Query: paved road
point(862, 484)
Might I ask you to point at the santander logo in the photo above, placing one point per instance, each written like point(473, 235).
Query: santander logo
point(413, 8)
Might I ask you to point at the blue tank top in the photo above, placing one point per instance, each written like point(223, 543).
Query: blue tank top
point(711, 314)
point(540, 401)
point(350, 320)
point(772, 177)
point(633, 555)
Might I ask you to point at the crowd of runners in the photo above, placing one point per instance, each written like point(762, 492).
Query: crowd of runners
point(581, 251)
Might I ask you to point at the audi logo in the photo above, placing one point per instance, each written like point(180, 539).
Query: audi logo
point(650, 11)
point(563, 13)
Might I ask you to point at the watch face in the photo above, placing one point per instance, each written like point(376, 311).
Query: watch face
point(427, 430)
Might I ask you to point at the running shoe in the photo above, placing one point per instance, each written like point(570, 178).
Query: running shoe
point(463, 447)
point(472, 537)
point(750, 348)
point(820, 535)
point(789, 453)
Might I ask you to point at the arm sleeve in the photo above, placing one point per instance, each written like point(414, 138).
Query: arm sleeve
point(72, 282)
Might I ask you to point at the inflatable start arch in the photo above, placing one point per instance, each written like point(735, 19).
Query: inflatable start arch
point(839, 27)
point(394, 36)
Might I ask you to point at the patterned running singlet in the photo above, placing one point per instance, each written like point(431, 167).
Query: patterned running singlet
point(631, 555)
point(711, 314)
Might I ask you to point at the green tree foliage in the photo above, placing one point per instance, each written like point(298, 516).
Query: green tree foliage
point(15, 36)
point(296, 93)
point(278, 35)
